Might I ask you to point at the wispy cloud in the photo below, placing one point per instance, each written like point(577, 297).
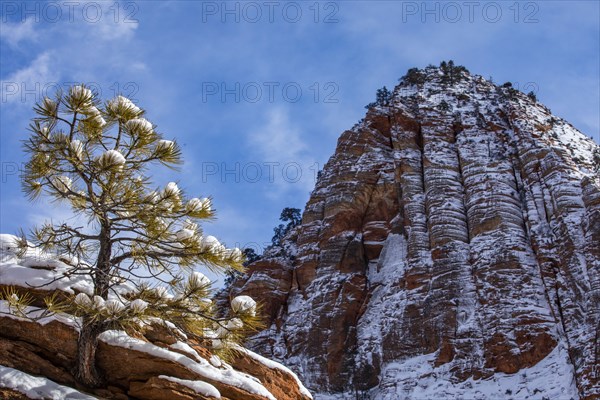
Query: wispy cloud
point(119, 22)
point(14, 33)
point(278, 138)
point(31, 79)
point(280, 141)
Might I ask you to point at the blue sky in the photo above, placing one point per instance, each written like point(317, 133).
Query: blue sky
point(258, 92)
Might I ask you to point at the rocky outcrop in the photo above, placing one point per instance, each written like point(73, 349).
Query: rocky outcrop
point(459, 222)
point(162, 364)
point(49, 350)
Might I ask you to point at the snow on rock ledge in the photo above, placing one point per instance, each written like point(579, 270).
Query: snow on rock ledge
point(35, 387)
point(202, 367)
point(140, 368)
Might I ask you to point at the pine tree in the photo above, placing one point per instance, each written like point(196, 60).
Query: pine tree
point(279, 232)
point(452, 73)
point(293, 218)
point(142, 243)
point(414, 76)
point(444, 106)
point(251, 256)
point(383, 97)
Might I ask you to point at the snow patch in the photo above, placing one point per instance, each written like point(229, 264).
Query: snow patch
point(203, 388)
point(186, 348)
point(36, 387)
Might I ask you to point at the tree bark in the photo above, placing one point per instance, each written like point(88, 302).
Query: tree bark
point(103, 267)
point(87, 344)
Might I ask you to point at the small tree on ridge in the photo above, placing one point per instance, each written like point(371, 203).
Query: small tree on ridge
point(95, 158)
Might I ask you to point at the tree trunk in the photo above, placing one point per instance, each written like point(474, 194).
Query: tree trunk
point(87, 344)
point(103, 267)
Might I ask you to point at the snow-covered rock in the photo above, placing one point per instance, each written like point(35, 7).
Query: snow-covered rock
point(35, 387)
point(449, 246)
point(198, 387)
point(38, 355)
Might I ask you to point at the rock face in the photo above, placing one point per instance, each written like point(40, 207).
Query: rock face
point(458, 225)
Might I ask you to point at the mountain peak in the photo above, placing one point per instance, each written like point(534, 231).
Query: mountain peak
point(453, 232)
point(452, 92)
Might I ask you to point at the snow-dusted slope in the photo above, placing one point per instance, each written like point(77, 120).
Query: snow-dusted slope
point(449, 249)
point(416, 378)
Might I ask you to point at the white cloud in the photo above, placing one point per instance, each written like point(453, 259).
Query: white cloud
point(27, 85)
point(102, 21)
point(139, 66)
point(15, 33)
point(279, 141)
point(116, 25)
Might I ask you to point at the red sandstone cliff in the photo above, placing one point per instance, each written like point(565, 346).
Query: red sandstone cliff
point(451, 248)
